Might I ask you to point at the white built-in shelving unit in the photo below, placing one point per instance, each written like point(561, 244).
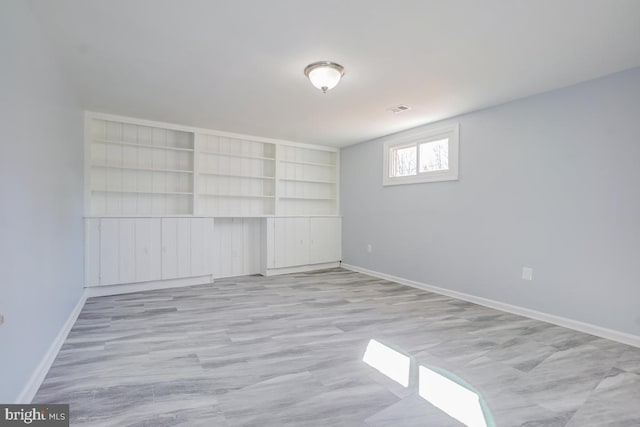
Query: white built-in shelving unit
point(307, 180)
point(171, 205)
point(139, 170)
point(235, 177)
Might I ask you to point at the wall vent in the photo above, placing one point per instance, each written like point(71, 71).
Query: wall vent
point(399, 108)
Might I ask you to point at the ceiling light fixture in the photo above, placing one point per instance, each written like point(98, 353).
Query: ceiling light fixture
point(324, 75)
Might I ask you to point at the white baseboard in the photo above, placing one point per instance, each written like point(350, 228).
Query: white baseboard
point(128, 288)
point(37, 377)
point(300, 269)
point(588, 328)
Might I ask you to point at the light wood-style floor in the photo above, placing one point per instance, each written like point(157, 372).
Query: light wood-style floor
point(287, 351)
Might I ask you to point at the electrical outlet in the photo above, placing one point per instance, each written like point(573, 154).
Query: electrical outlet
point(369, 248)
point(527, 273)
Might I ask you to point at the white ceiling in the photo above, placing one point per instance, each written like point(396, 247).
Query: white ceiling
point(237, 65)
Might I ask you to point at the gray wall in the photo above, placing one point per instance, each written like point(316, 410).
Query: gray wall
point(551, 182)
point(41, 193)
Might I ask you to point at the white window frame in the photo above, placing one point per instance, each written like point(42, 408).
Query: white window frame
point(451, 132)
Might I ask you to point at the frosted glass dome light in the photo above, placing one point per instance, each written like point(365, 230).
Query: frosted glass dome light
point(324, 75)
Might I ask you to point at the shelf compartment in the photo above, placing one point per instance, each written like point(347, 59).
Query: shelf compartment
point(133, 168)
point(300, 162)
point(239, 156)
point(229, 175)
point(314, 181)
point(135, 144)
point(239, 196)
point(180, 193)
point(308, 198)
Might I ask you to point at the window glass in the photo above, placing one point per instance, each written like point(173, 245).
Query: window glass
point(434, 155)
point(403, 161)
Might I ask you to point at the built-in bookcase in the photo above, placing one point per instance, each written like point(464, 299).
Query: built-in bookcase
point(236, 177)
point(307, 180)
point(139, 170)
point(254, 195)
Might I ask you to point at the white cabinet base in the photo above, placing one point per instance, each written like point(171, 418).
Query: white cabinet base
point(124, 255)
point(152, 252)
point(300, 268)
point(294, 244)
point(128, 288)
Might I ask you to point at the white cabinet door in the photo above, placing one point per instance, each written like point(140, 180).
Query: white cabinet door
point(198, 239)
point(202, 246)
point(187, 247)
point(301, 242)
point(291, 242)
point(169, 248)
point(210, 246)
point(325, 240)
point(148, 248)
point(131, 250)
point(184, 247)
point(267, 251)
point(238, 244)
point(109, 259)
point(92, 252)
point(126, 250)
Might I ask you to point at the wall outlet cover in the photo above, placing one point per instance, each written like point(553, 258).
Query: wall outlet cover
point(527, 273)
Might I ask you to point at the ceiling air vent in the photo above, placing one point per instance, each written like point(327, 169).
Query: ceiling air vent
point(399, 109)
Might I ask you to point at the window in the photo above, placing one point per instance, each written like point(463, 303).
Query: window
point(403, 161)
point(427, 156)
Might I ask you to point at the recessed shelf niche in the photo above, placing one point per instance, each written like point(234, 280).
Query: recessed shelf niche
point(236, 177)
point(307, 181)
point(139, 170)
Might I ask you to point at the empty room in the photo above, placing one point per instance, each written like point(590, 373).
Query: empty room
point(302, 213)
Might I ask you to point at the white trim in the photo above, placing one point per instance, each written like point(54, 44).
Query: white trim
point(588, 328)
point(277, 185)
point(39, 374)
point(300, 269)
point(451, 132)
point(193, 129)
point(195, 179)
point(128, 288)
point(306, 216)
point(338, 170)
point(151, 216)
point(211, 216)
point(87, 165)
